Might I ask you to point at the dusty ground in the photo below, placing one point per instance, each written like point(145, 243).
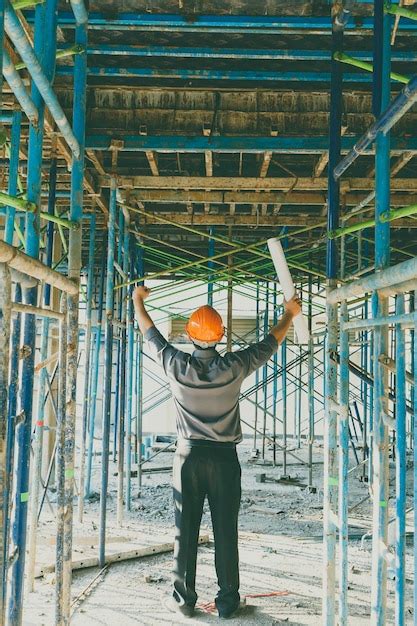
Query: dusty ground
point(280, 553)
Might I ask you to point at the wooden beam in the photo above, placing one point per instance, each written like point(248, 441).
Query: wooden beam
point(153, 163)
point(249, 183)
point(321, 165)
point(253, 197)
point(401, 162)
point(279, 220)
point(208, 156)
point(266, 160)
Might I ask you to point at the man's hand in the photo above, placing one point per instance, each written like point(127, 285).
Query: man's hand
point(141, 293)
point(293, 306)
point(144, 321)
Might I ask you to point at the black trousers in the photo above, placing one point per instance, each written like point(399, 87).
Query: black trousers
point(213, 471)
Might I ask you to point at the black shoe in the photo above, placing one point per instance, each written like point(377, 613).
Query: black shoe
point(242, 607)
point(175, 607)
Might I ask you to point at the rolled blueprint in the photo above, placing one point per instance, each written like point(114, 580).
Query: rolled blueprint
point(284, 277)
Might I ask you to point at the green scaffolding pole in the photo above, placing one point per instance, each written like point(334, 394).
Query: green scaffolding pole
point(388, 216)
point(368, 67)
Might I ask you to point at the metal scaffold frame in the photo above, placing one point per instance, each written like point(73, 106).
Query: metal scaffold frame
point(385, 421)
point(67, 274)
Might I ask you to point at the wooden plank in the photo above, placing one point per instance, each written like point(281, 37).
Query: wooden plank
point(117, 556)
point(249, 183)
point(152, 160)
point(213, 219)
point(254, 197)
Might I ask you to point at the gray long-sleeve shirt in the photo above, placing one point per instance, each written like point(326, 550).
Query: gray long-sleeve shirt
point(206, 386)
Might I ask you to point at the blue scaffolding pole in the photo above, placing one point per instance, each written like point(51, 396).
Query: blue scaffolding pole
point(330, 423)
point(108, 371)
point(45, 40)
point(380, 455)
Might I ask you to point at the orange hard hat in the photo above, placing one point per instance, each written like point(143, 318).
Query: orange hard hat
point(205, 326)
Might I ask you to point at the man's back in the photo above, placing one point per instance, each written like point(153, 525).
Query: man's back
point(206, 385)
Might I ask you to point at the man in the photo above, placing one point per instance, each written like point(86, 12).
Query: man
point(206, 388)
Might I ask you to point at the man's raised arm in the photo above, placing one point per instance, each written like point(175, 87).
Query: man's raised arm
point(142, 316)
point(292, 309)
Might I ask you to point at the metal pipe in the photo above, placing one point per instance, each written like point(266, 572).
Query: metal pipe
point(108, 366)
point(16, 33)
point(139, 383)
point(363, 65)
point(16, 259)
point(400, 11)
point(18, 203)
point(129, 386)
point(94, 378)
point(395, 111)
point(210, 265)
point(123, 381)
point(63, 603)
point(80, 11)
point(330, 382)
point(414, 434)
point(404, 319)
point(384, 279)
point(18, 307)
point(87, 350)
point(388, 216)
point(343, 417)
point(16, 85)
point(380, 455)
point(13, 175)
point(5, 310)
point(61, 469)
point(45, 37)
point(284, 405)
point(400, 466)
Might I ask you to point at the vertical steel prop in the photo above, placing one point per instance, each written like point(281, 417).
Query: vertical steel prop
point(343, 414)
point(415, 451)
point(5, 315)
point(275, 384)
point(45, 42)
point(310, 384)
point(130, 318)
point(87, 349)
point(139, 381)
point(108, 371)
point(15, 338)
point(63, 601)
point(380, 456)
point(92, 409)
point(123, 382)
point(284, 405)
point(400, 466)
point(37, 446)
point(265, 373)
point(210, 265)
point(61, 427)
point(12, 187)
point(330, 382)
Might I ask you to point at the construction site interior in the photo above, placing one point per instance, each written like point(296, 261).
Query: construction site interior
point(165, 141)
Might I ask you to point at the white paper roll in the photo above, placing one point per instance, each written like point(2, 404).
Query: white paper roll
point(284, 277)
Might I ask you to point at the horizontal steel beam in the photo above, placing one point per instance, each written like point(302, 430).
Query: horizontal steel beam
point(383, 279)
point(32, 267)
point(202, 74)
point(212, 219)
point(217, 23)
point(249, 183)
point(235, 144)
point(317, 198)
point(272, 54)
